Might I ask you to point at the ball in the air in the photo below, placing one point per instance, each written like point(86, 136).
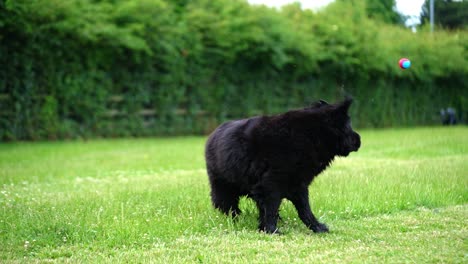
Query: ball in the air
point(404, 63)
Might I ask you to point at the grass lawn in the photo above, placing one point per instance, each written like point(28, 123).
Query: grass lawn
point(402, 198)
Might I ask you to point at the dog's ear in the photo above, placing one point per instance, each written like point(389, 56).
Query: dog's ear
point(340, 111)
point(319, 104)
point(316, 105)
point(343, 107)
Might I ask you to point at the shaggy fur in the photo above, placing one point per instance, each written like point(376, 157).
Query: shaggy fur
point(268, 158)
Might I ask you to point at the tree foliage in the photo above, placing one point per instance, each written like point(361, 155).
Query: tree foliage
point(94, 68)
point(385, 11)
point(448, 14)
point(382, 10)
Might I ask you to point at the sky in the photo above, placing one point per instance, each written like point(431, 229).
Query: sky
point(406, 7)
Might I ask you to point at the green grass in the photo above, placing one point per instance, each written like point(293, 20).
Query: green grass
point(402, 198)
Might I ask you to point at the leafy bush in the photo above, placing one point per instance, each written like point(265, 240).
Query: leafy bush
point(182, 67)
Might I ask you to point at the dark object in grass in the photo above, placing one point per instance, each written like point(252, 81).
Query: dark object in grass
point(268, 158)
point(449, 116)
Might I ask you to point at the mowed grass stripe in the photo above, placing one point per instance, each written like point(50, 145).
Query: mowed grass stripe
point(418, 236)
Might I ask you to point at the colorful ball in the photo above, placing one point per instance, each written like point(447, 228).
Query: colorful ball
point(404, 63)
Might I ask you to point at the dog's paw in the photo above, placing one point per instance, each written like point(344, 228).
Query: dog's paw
point(320, 228)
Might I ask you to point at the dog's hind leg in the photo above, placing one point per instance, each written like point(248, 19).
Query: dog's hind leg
point(268, 202)
point(225, 197)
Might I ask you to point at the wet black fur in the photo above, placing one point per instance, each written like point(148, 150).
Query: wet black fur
point(268, 158)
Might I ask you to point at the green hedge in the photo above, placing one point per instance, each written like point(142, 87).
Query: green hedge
point(194, 64)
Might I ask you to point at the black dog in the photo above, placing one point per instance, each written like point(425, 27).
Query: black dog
point(268, 158)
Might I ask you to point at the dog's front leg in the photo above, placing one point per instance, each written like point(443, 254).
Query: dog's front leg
point(300, 199)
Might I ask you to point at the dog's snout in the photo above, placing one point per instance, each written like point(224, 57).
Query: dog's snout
point(357, 141)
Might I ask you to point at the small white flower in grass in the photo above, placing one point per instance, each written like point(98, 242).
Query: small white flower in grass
point(26, 244)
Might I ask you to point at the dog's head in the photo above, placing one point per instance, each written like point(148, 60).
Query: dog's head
point(347, 139)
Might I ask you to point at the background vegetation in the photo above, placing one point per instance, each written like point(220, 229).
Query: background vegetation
point(450, 14)
point(81, 68)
